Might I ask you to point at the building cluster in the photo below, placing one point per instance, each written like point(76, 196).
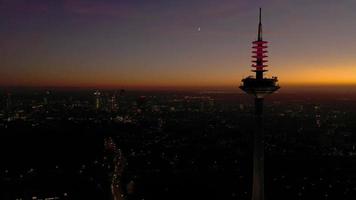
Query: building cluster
point(53, 144)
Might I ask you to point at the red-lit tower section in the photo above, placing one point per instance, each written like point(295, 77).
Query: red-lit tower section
point(259, 53)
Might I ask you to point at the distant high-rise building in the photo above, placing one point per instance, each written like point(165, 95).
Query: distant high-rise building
point(46, 97)
point(115, 100)
point(259, 86)
point(8, 102)
point(113, 103)
point(98, 102)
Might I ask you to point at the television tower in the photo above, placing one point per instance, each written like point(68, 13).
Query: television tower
point(259, 86)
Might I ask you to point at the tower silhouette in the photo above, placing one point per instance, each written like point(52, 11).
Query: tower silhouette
point(259, 86)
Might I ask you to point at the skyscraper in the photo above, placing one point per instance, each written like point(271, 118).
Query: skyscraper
point(8, 102)
point(259, 86)
point(97, 95)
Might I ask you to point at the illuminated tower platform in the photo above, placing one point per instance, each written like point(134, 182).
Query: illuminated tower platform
point(259, 86)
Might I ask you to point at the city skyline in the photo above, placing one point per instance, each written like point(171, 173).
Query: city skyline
point(166, 44)
point(167, 99)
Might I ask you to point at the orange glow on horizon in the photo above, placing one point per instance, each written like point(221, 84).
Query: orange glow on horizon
point(196, 78)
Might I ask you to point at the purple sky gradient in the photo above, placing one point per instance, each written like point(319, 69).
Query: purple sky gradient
point(156, 43)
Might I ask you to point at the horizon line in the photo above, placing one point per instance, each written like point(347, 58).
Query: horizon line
point(173, 87)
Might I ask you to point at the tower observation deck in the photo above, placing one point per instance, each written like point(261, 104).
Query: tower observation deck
point(259, 86)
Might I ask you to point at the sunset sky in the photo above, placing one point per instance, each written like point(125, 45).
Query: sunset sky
point(173, 43)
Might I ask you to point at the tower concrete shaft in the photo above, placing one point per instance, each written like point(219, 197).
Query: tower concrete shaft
point(258, 153)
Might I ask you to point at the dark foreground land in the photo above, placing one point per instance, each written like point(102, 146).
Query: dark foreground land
point(178, 145)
